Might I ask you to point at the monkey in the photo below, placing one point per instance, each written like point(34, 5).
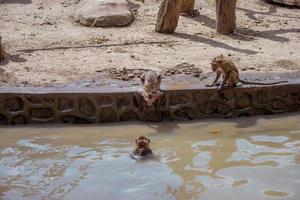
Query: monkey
point(142, 150)
point(2, 52)
point(224, 66)
point(151, 92)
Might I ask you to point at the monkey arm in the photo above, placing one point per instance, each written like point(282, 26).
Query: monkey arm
point(160, 98)
point(139, 100)
point(216, 79)
point(225, 79)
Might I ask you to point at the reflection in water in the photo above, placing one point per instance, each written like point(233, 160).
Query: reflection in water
point(276, 193)
point(192, 161)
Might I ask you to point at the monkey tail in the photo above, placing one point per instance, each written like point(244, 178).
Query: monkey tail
point(256, 83)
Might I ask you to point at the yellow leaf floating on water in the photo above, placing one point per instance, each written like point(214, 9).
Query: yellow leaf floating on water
point(215, 131)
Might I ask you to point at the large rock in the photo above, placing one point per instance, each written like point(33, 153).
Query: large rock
point(103, 13)
point(287, 2)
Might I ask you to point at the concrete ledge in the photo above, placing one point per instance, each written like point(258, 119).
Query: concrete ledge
point(181, 102)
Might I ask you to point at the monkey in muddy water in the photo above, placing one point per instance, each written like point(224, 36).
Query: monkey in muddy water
point(151, 92)
point(2, 52)
point(142, 150)
point(222, 65)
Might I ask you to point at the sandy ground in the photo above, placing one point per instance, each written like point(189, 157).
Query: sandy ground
point(45, 47)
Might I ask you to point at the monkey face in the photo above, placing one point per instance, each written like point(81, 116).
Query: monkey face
point(217, 62)
point(151, 82)
point(214, 65)
point(142, 141)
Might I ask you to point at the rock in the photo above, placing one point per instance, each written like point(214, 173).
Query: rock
point(130, 76)
point(48, 21)
point(103, 13)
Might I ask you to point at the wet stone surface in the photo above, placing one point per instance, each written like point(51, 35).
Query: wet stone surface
point(65, 104)
point(20, 119)
point(108, 106)
point(42, 113)
point(107, 115)
point(14, 104)
point(86, 107)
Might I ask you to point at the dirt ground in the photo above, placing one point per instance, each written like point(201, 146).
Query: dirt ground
point(45, 47)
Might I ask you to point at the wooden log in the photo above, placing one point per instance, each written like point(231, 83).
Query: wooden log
point(168, 15)
point(187, 7)
point(225, 16)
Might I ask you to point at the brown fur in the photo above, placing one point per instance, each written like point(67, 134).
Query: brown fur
point(2, 53)
point(222, 65)
point(151, 87)
point(142, 147)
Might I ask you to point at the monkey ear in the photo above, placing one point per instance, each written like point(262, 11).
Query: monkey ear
point(143, 78)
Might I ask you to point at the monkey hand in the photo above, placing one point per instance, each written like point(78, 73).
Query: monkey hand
point(210, 85)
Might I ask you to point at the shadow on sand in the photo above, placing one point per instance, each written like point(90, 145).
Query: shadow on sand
point(13, 58)
point(196, 38)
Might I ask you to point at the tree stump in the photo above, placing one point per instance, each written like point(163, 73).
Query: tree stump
point(225, 16)
point(187, 6)
point(168, 15)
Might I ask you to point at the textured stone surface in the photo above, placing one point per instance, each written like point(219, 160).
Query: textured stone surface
point(41, 114)
point(103, 13)
point(22, 106)
point(107, 115)
point(65, 104)
point(86, 107)
point(20, 119)
point(14, 104)
point(104, 101)
point(3, 120)
point(34, 100)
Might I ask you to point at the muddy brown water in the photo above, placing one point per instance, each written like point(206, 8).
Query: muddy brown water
point(246, 158)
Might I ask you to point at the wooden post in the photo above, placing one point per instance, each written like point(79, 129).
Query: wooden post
point(187, 6)
point(168, 15)
point(225, 16)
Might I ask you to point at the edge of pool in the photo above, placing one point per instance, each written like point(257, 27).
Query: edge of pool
point(181, 102)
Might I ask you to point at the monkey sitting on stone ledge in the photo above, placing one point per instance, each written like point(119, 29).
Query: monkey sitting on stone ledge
point(222, 65)
point(142, 151)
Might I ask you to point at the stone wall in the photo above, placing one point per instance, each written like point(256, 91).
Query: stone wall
point(91, 105)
